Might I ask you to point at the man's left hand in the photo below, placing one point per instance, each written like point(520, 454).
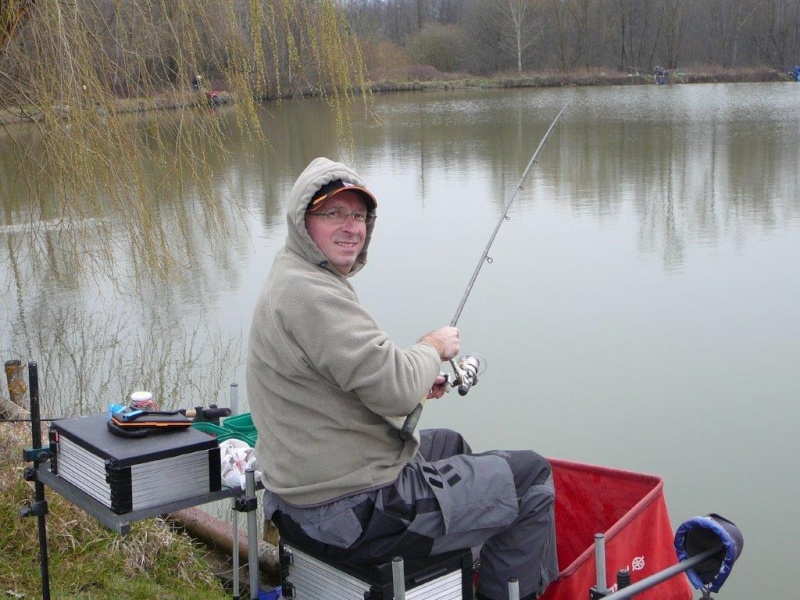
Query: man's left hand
point(441, 385)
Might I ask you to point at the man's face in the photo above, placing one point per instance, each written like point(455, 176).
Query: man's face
point(341, 243)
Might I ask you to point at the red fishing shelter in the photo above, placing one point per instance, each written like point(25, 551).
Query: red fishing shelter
point(630, 510)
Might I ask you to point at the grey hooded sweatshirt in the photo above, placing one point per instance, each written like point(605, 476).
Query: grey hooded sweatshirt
point(327, 388)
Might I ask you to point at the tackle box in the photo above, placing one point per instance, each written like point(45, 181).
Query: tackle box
point(128, 474)
point(441, 577)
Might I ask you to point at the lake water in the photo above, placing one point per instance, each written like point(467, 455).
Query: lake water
point(641, 309)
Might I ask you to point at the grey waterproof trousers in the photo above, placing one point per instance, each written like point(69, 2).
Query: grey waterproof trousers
point(447, 498)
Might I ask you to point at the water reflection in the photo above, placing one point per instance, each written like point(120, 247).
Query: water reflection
point(694, 164)
point(645, 283)
point(88, 276)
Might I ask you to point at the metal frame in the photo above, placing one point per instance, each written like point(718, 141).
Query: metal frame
point(243, 500)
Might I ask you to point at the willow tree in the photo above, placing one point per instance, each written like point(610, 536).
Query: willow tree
point(72, 68)
point(104, 191)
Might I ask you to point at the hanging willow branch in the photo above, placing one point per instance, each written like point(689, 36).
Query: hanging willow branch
point(85, 75)
point(12, 12)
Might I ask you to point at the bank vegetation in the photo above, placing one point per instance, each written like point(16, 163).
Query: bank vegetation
point(490, 37)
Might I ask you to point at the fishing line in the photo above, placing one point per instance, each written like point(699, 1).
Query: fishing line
point(466, 370)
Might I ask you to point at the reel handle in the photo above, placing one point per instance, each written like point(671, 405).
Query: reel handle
point(410, 424)
point(465, 376)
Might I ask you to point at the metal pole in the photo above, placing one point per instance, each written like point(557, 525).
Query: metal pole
point(234, 399)
point(252, 533)
point(41, 506)
point(513, 589)
point(234, 402)
point(656, 578)
point(235, 548)
point(600, 562)
point(398, 578)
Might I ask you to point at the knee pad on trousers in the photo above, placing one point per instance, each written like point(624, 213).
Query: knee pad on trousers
point(528, 468)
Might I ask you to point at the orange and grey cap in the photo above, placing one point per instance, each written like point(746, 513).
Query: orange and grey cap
point(334, 187)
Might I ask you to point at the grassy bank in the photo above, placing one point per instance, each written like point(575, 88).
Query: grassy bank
point(168, 100)
point(86, 560)
point(427, 79)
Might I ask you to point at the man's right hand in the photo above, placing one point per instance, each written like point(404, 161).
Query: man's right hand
point(445, 340)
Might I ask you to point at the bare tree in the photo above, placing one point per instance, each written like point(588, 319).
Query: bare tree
point(623, 34)
point(638, 32)
point(562, 34)
point(674, 20)
point(448, 12)
point(519, 26)
point(723, 20)
point(580, 10)
point(401, 17)
point(776, 31)
point(483, 35)
point(579, 28)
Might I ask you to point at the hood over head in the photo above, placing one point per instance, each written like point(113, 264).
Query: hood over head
point(319, 173)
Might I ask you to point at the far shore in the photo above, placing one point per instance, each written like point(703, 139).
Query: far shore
point(177, 100)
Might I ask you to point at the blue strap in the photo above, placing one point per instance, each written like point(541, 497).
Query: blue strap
point(704, 533)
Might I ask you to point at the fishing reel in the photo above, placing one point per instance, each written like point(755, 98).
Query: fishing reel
point(465, 373)
point(464, 376)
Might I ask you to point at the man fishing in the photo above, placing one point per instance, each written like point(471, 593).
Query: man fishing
point(329, 393)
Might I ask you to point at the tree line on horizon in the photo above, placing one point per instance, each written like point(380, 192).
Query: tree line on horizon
point(286, 47)
point(486, 37)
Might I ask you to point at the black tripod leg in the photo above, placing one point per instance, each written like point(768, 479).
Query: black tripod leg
point(40, 505)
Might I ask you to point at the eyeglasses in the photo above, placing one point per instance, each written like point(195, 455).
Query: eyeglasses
point(340, 217)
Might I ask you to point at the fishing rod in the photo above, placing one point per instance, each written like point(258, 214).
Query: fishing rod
point(465, 372)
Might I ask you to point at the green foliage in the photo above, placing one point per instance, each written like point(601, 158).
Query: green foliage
point(87, 561)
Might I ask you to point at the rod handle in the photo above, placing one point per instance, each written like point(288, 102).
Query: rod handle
point(410, 424)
